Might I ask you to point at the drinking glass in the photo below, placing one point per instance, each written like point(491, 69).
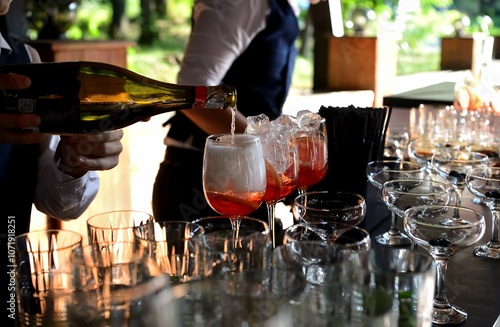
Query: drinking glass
point(345, 238)
point(280, 154)
point(400, 194)
point(252, 297)
point(424, 224)
point(454, 166)
point(311, 259)
point(396, 142)
point(484, 182)
point(381, 287)
point(343, 207)
point(115, 226)
point(117, 284)
point(234, 175)
point(250, 248)
point(421, 150)
point(313, 158)
point(43, 275)
point(172, 245)
point(381, 171)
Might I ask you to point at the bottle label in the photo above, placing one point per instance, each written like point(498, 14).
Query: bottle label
point(200, 97)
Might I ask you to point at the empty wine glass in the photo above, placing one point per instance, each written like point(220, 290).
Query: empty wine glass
point(381, 171)
point(234, 174)
point(424, 225)
point(453, 166)
point(342, 207)
point(484, 182)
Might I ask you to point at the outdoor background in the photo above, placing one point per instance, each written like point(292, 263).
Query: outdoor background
point(160, 29)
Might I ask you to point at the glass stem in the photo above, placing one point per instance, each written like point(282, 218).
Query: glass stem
point(271, 216)
point(495, 225)
point(394, 230)
point(458, 202)
point(235, 224)
point(441, 299)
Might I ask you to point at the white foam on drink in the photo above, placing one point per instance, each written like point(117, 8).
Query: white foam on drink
point(235, 166)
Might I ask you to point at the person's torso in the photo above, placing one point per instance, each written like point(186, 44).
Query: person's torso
point(261, 75)
point(18, 163)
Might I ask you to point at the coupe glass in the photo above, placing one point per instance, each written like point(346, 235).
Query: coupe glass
point(422, 150)
point(313, 158)
point(234, 174)
point(345, 238)
point(342, 207)
point(454, 165)
point(400, 194)
point(424, 224)
point(381, 171)
point(484, 182)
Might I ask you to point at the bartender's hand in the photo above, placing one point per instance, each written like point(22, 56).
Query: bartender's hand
point(11, 126)
point(80, 153)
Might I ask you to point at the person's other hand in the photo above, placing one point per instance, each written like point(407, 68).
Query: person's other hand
point(12, 125)
point(81, 153)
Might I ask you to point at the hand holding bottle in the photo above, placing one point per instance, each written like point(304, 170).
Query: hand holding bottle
point(11, 125)
point(78, 154)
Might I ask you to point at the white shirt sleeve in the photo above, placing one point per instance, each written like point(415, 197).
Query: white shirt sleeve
point(60, 195)
point(222, 31)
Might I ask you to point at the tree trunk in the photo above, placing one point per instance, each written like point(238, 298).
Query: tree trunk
point(160, 8)
point(115, 28)
point(148, 34)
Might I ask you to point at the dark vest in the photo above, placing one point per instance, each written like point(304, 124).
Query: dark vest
point(261, 75)
point(18, 164)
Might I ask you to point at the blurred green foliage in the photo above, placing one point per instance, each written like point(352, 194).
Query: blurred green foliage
point(420, 31)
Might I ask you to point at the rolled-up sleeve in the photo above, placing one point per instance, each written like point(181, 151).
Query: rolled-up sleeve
point(57, 194)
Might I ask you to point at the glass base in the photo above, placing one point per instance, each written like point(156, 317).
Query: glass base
point(450, 315)
point(393, 239)
point(487, 251)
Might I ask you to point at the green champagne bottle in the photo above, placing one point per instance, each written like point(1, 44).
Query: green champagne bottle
point(88, 97)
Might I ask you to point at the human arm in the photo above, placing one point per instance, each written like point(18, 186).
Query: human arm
point(221, 32)
point(67, 180)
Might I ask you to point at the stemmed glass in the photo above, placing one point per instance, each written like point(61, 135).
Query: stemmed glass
point(381, 171)
point(344, 237)
point(312, 150)
point(341, 207)
point(281, 158)
point(400, 194)
point(453, 166)
point(234, 175)
point(281, 172)
point(424, 225)
point(396, 142)
point(484, 182)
